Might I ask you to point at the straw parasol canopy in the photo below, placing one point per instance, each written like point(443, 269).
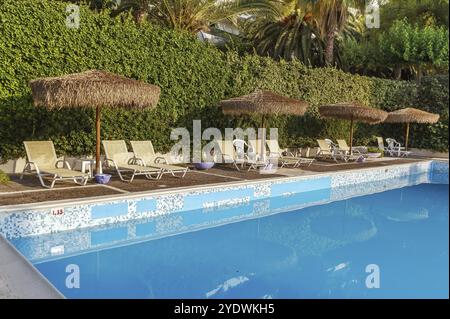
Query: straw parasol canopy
point(353, 112)
point(411, 115)
point(93, 89)
point(265, 103)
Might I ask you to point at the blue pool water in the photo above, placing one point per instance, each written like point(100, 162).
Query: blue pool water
point(328, 251)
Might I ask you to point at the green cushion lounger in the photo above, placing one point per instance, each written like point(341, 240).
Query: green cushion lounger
point(117, 154)
point(42, 161)
point(144, 154)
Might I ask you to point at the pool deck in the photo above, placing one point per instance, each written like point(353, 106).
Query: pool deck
point(19, 279)
point(28, 191)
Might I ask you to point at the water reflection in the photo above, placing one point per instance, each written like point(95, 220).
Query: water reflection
point(400, 205)
point(319, 251)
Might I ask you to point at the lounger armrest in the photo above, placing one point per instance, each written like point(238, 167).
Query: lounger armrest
point(65, 163)
point(250, 159)
point(275, 154)
point(225, 156)
point(138, 161)
point(252, 156)
point(36, 167)
point(290, 153)
point(161, 159)
point(108, 160)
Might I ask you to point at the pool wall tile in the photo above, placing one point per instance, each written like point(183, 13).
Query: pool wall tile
point(281, 189)
point(227, 196)
point(146, 205)
point(439, 174)
point(109, 210)
point(218, 201)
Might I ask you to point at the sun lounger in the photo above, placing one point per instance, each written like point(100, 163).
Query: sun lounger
point(42, 161)
point(346, 153)
point(249, 157)
point(117, 154)
point(226, 153)
point(394, 148)
point(294, 161)
point(144, 154)
point(381, 144)
point(256, 159)
point(326, 151)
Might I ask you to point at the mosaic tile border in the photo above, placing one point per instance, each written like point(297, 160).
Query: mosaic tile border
point(34, 222)
point(439, 173)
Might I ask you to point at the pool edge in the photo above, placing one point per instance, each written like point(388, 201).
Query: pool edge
point(20, 279)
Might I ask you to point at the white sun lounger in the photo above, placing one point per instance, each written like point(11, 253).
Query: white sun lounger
point(394, 148)
point(117, 154)
point(144, 154)
point(346, 154)
point(294, 161)
point(42, 161)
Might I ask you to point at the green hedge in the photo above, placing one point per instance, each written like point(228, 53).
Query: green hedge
point(193, 76)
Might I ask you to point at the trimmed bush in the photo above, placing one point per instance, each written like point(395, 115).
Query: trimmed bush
point(3, 177)
point(193, 76)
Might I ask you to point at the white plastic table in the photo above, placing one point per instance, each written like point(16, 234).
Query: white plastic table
point(88, 164)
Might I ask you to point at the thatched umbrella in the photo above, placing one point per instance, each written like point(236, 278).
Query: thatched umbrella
point(264, 103)
point(411, 115)
point(353, 112)
point(93, 89)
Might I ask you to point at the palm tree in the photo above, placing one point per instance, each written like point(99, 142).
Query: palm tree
point(138, 8)
point(287, 34)
point(330, 18)
point(192, 15)
point(302, 24)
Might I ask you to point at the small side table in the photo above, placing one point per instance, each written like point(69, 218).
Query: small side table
point(88, 164)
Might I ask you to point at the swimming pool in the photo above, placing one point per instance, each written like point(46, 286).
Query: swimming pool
point(395, 242)
point(368, 233)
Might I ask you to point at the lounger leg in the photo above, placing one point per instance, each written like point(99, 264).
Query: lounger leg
point(158, 175)
point(42, 181)
point(53, 181)
point(120, 176)
point(123, 179)
point(182, 175)
point(25, 169)
point(132, 177)
point(83, 181)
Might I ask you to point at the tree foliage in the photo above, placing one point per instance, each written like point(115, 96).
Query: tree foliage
point(193, 76)
point(409, 45)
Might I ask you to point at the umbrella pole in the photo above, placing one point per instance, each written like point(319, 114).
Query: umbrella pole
point(407, 136)
point(97, 145)
point(351, 136)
